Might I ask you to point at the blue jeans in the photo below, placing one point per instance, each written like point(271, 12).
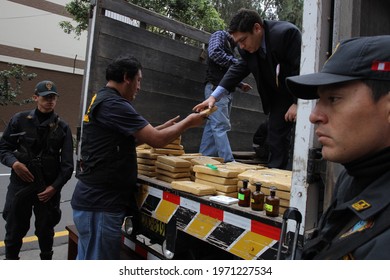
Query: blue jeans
point(215, 141)
point(100, 234)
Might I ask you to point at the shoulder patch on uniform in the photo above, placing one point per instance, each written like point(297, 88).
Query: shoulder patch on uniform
point(359, 226)
point(361, 205)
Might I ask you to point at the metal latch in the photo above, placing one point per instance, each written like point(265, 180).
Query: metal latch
point(316, 166)
point(293, 214)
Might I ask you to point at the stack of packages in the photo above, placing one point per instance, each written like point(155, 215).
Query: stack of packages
point(172, 168)
point(173, 149)
point(278, 178)
point(203, 160)
point(224, 180)
point(146, 161)
point(189, 157)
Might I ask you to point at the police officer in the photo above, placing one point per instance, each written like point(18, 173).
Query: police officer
point(38, 146)
point(352, 117)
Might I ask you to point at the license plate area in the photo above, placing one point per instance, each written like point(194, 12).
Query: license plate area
point(152, 228)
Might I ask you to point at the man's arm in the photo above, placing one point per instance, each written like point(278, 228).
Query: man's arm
point(160, 138)
point(67, 163)
point(293, 44)
point(236, 73)
point(8, 144)
point(66, 168)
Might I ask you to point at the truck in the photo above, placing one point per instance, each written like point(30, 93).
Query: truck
point(173, 224)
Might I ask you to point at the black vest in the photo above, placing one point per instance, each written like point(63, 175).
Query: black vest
point(216, 72)
point(43, 141)
point(108, 158)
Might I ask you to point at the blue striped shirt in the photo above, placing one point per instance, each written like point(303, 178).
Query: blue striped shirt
point(218, 55)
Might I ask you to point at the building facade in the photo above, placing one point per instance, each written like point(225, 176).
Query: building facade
point(30, 35)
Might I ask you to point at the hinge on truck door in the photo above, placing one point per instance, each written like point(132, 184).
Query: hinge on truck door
point(92, 4)
point(316, 166)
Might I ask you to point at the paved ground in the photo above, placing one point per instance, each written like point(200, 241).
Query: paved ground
point(30, 250)
point(30, 247)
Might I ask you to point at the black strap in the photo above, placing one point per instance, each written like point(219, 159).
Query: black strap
point(348, 244)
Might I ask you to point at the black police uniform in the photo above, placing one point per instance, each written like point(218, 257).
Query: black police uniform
point(33, 136)
point(357, 224)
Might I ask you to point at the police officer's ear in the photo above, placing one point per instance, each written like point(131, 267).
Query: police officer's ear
point(35, 97)
point(387, 97)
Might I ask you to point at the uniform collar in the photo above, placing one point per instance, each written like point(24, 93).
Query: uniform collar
point(34, 117)
point(373, 199)
point(371, 175)
point(370, 166)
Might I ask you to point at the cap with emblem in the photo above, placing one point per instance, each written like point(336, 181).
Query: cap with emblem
point(361, 58)
point(44, 88)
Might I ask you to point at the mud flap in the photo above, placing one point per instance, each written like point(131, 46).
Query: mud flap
point(171, 233)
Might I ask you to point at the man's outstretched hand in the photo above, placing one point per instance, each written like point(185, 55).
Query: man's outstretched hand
point(208, 103)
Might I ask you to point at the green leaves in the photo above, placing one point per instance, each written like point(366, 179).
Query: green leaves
point(208, 15)
point(200, 14)
point(10, 84)
point(79, 9)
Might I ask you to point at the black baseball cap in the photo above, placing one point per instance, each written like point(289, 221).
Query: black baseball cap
point(44, 88)
point(361, 58)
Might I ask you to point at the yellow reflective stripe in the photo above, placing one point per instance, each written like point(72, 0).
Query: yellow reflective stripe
point(34, 238)
point(86, 117)
point(201, 225)
point(165, 211)
point(249, 245)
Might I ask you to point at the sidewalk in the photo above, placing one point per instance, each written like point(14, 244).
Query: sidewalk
point(30, 250)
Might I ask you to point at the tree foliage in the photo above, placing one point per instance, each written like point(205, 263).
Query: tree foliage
point(208, 15)
point(197, 13)
point(288, 10)
point(227, 8)
point(79, 9)
point(11, 82)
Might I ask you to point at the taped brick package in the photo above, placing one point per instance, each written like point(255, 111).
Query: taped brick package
point(193, 187)
point(196, 159)
point(224, 180)
point(171, 168)
point(174, 148)
point(242, 166)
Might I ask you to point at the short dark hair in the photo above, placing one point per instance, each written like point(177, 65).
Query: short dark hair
point(244, 20)
point(379, 88)
point(123, 64)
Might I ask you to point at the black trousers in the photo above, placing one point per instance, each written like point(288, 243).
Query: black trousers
point(17, 214)
point(280, 135)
